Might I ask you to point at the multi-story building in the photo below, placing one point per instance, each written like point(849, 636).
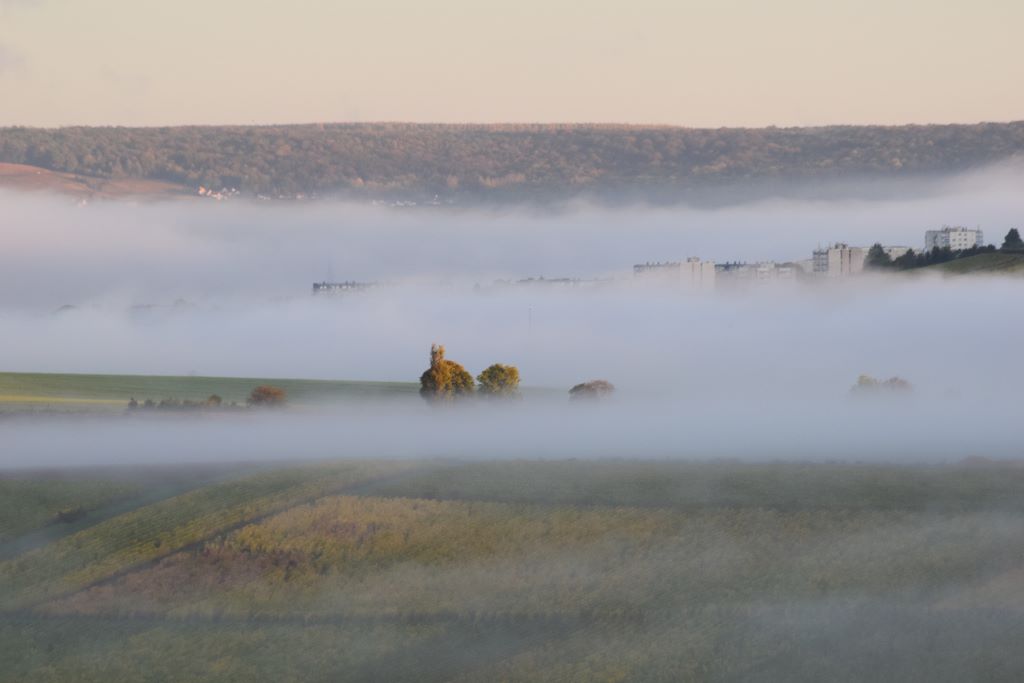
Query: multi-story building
point(340, 287)
point(692, 271)
point(839, 259)
point(763, 270)
point(842, 259)
point(956, 238)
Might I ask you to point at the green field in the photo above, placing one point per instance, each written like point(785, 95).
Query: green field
point(996, 262)
point(27, 392)
point(520, 571)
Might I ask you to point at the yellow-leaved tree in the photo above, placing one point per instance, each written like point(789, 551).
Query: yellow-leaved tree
point(444, 379)
point(499, 381)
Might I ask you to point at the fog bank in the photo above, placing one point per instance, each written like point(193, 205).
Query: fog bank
point(55, 253)
point(752, 371)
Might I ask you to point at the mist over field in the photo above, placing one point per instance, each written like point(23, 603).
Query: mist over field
point(56, 253)
point(756, 371)
point(465, 342)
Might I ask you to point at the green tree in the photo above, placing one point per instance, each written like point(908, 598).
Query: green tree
point(499, 381)
point(877, 258)
point(1012, 241)
point(444, 379)
point(906, 261)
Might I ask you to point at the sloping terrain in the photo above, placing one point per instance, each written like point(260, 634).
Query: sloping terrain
point(997, 262)
point(533, 570)
point(22, 177)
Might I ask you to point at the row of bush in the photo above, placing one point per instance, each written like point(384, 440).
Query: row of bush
point(264, 395)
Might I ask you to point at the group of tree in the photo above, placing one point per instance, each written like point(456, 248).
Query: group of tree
point(374, 159)
point(879, 259)
point(446, 380)
point(866, 384)
point(264, 395)
point(211, 403)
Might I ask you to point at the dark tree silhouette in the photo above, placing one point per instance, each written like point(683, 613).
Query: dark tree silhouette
point(1012, 241)
point(877, 258)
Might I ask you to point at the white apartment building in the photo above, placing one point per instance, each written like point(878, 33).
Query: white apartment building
point(763, 270)
point(955, 238)
point(693, 272)
point(839, 259)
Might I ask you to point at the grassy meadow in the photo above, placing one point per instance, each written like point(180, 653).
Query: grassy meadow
point(994, 263)
point(43, 392)
point(517, 571)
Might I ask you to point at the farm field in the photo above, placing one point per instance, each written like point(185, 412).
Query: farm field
point(41, 392)
point(612, 570)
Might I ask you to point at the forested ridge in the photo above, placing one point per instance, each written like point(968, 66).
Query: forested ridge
point(496, 161)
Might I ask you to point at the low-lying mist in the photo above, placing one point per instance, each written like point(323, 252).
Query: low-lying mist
point(55, 253)
point(756, 371)
point(916, 430)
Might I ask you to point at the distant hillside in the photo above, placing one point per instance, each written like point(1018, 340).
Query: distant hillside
point(509, 162)
point(34, 178)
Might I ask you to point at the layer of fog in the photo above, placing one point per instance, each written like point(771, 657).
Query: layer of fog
point(749, 372)
point(55, 253)
point(917, 430)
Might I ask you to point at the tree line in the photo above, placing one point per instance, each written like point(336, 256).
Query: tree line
point(502, 160)
point(263, 396)
point(878, 259)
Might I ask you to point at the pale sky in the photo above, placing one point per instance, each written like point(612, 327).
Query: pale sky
point(688, 62)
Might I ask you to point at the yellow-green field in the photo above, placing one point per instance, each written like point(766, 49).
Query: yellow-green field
point(518, 571)
point(28, 392)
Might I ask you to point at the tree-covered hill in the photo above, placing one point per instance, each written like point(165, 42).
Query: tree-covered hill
point(505, 161)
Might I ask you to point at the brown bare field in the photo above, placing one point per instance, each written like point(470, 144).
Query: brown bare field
point(23, 178)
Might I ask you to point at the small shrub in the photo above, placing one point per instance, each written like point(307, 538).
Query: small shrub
point(866, 384)
point(593, 390)
point(269, 396)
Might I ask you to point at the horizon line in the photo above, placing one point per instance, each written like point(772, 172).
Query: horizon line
point(510, 124)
